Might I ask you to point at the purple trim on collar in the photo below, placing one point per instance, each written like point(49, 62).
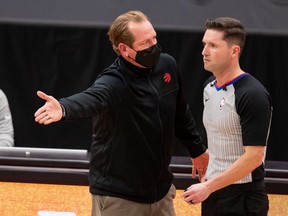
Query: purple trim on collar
point(230, 82)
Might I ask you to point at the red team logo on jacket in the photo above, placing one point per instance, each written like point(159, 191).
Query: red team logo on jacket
point(167, 77)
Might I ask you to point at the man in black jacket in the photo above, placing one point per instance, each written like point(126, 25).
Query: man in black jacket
point(138, 109)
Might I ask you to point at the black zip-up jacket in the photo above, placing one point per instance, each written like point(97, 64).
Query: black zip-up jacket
point(137, 115)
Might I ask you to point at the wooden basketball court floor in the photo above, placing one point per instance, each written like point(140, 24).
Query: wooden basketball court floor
point(27, 199)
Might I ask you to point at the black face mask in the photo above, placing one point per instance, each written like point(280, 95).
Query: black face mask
point(149, 57)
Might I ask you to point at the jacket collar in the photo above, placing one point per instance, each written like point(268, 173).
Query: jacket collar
point(136, 70)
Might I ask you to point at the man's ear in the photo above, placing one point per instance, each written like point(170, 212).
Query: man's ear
point(236, 50)
point(123, 49)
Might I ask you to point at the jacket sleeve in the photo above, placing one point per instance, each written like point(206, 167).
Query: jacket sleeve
point(88, 103)
point(185, 126)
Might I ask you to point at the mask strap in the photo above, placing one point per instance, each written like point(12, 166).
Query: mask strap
point(132, 58)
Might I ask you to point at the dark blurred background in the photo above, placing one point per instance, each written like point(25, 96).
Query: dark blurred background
point(59, 47)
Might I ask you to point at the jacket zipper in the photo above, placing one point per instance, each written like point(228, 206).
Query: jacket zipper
point(161, 124)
